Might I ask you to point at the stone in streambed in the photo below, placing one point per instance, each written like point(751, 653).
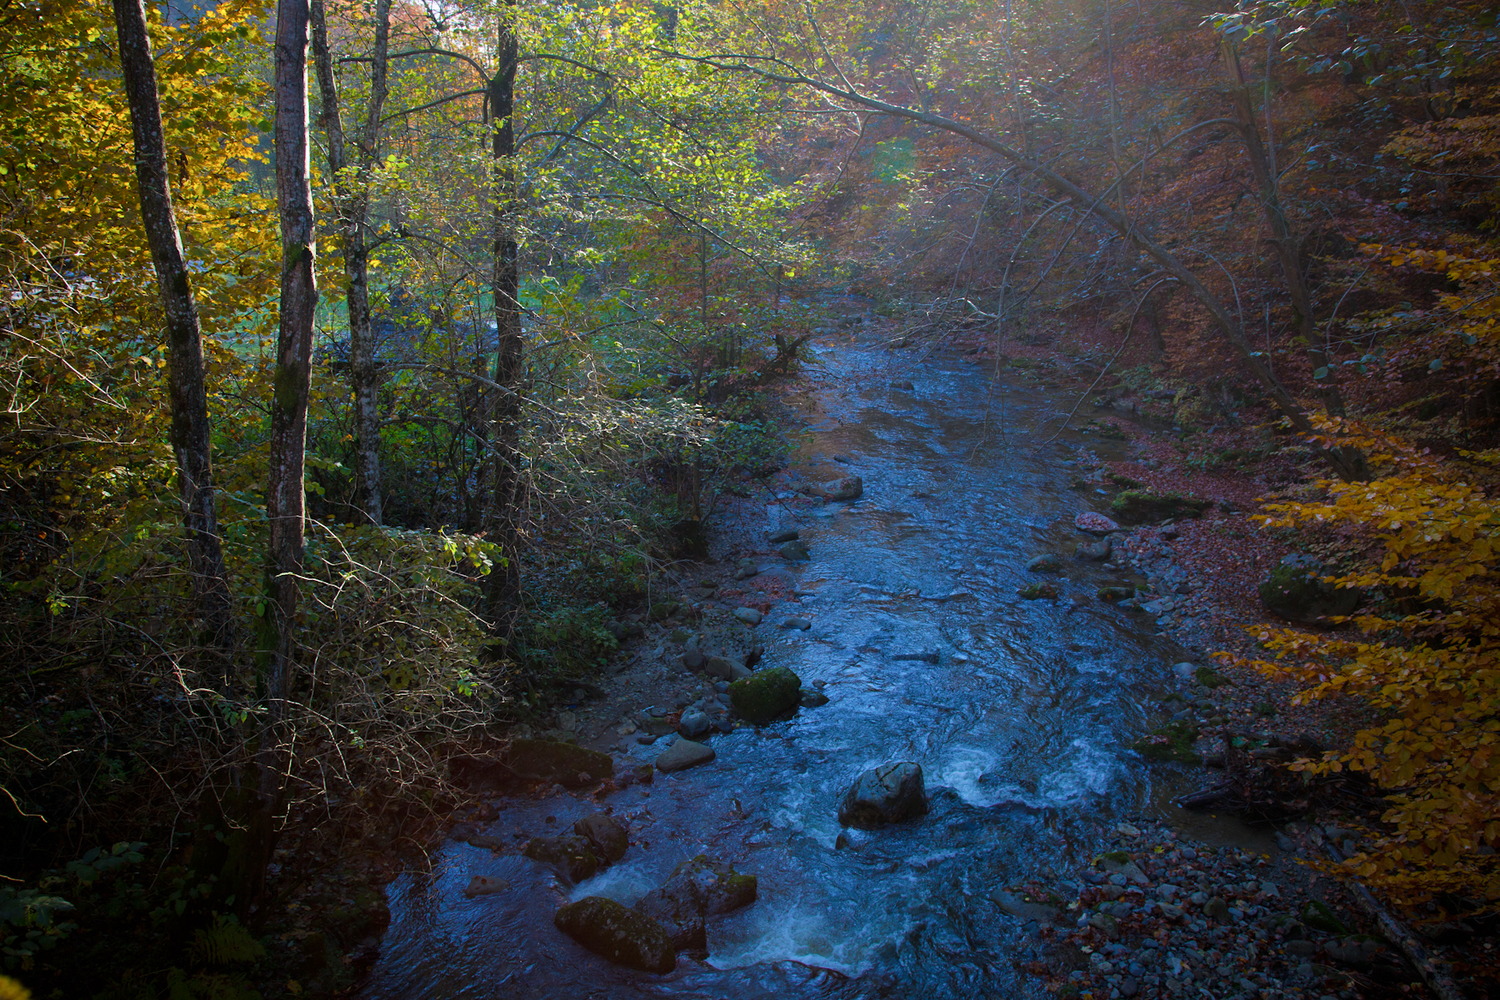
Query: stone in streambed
point(573, 857)
point(1095, 523)
point(606, 834)
point(766, 695)
point(748, 615)
point(724, 669)
point(1047, 562)
point(795, 551)
point(784, 535)
point(694, 723)
point(485, 885)
point(622, 935)
point(683, 754)
point(697, 889)
point(847, 488)
point(886, 794)
point(1097, 550)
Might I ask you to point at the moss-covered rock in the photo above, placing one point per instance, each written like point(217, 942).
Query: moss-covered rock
point(1147, 506)
point(1296, 591)
point(766, 695)
point(699, 888)
point(622, 935)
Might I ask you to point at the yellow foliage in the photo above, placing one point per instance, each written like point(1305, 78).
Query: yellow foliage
point(1427, 654)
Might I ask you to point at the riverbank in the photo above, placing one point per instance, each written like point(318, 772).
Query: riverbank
point(1230, 910)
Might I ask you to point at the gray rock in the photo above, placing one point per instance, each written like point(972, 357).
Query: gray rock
point(606, 834)
point(795, 551)
point(889, 793)
point(813, 698)
point(694, 724)
point(1047, 562)
point(847, 488)
point(748, 615)
point(485, 885)
point(797, 623)
point(622, 935)
point(784, 535)
point(903, 384)
point(1017, 906)
point(693, 658)
point(1184, 671)
point(683, 754)
point(1097, 550)
point(1216, 909)
point(724, 669)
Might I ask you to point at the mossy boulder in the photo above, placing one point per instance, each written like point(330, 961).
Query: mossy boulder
point(1148, 506)
point(622, 935)
point(697, 889)
point(766, 695)
point(1296, 591)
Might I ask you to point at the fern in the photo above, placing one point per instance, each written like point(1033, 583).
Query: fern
point(227, 942)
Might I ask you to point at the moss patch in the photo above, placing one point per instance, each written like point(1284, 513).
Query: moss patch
point(766, 695)
point(1173, 741)
point(1144, 506)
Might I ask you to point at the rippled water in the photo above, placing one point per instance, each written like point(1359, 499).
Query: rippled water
point(1020, 726)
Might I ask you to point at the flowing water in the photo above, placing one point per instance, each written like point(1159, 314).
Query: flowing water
point(1020, 724)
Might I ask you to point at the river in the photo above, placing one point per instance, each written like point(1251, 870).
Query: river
point(1021, 725)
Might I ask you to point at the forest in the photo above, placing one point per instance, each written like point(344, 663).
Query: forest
point(376, 372)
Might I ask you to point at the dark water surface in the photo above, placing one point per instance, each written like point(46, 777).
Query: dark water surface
point(1020, 726)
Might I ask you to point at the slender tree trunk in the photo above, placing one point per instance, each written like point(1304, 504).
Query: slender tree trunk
point(185, 374)
point(504, 590)
point(352, 204)
point(285, 493)
point(1288, 250)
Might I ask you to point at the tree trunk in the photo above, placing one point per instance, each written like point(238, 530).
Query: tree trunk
point(352, 205)
point(1288, 251)
point(185, 374)
point(504, 590)
point(285, 493)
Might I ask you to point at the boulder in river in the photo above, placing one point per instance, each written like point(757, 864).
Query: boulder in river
point(573, 856)
point(1047, 562)
point(1096, 550)
point(845, 488)
point(683, 754)
point(697, 889)
point(766, 695)
point(795, 551)
point(606, 834)
point(485, 885)
point(1296, 591)
point(622, 935)
point(782, 535)
point(886, 794)
point(567, 764)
